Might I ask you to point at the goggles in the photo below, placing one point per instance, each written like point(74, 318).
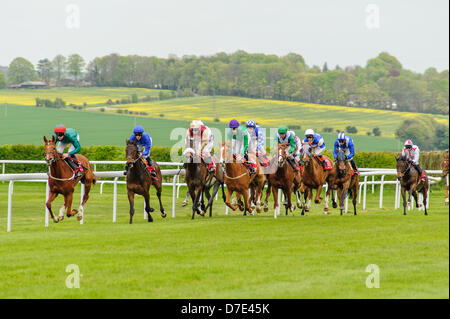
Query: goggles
point(138, 134)
point(309, 136)
point(59, 134)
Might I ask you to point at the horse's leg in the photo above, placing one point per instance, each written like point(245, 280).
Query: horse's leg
point(51, 198)
point(147, 206)
point(333, 199)
point(266, 201)
point(186, 199)
point(317, 200)
point(198, 196)
point(275, 197)
point(131, 200)
point(87, 189)
point(404, 199)
point(228, 200)
point(327, 196)
point(425, 198)
point(247, 205)
point(355, 196)
point(68, 206)
point(158, 193)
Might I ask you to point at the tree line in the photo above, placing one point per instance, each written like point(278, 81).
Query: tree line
point(382, 83)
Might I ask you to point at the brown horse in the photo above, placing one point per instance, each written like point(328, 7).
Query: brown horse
point(139, 180)
point(196, 172)
point(444, 166)
point(409, 180)
point(214, 181)
point(343, 178)
point(61, 181)
point(313, 177)
point(285, 178)
point(238, 179)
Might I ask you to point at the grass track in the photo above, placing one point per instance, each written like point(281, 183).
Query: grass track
point(313, 256)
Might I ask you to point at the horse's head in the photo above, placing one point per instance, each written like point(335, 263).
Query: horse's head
point(306, 154)
point(50, 150)
point(402, 166)
point(190, 156)
point(445, 165)
point(341, 161)
point(131, 152)
point(282, 154)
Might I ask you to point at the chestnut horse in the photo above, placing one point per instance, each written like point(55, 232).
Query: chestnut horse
point(61, 181)
point(409, 180)
point(313, 177)
point(284, 178)
point(139, 180)
point(444, 166)
point(238, 179)
point(344, 179)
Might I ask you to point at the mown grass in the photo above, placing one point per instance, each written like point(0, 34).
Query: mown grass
point(312, 256)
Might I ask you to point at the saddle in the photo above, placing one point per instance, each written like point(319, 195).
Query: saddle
point(326, 163)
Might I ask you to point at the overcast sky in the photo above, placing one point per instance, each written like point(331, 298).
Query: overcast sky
point(345, 32)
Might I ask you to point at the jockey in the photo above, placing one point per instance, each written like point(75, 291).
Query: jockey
point(239, 137)
point(316, 142)
point(288, 137)
point(143, 141)
point(200, 138)
point(345, 143)
point(69, 136)
point(412, 153)
point(257, 141)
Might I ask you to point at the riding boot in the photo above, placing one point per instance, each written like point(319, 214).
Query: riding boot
point(355, 169)
point(76, 167)
point(420, 170)
point(291, 161)
point(321, 160)
point(151, 168)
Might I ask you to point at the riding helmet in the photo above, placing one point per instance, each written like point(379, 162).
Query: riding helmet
point(408, 143)
point(282, 129)
point(251, 123)
point(60, 128)
point(138, 129)
point(234, 123)
point(309, 132)
point(341, 136)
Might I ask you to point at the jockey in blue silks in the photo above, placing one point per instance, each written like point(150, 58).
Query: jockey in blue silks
point(345, 143)
point(257, 141)
point(316, 142)
point(144, 141)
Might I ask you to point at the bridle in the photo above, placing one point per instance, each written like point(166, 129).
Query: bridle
point(341, 158)
point(406, 171)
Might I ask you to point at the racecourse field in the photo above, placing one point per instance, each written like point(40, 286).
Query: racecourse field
point(100, 123)
point(226, 256)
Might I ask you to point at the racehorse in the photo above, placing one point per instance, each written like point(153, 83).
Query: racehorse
point(139, 180)
point(196, 172)
point(61, 181)
point(313, 177)
point(344, 179)
point(409, 180)
point(284, 178)
point(444, 166)
point(237, 179)
point(214, 181)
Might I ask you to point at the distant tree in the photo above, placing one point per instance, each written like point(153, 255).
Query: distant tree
point(59, 65)
point(75, 65)
point(325, 67)
point(2, 80)
point(44, 69)
point(376, 131)
point(351, 129)
point(21, 70)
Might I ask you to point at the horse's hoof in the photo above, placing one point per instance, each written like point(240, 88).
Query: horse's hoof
point(150, 220)
point(266, 209)
point(334, 205)
point(56, 220)
point(183, 204)
point(163, 215)
point(152, 209)
point(60, 218)
point(79, 217)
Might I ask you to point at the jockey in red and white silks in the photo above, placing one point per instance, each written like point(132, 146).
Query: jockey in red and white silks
point(412, 153)
point(200, 138)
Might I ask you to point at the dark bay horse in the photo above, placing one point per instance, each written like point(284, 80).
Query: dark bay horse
point(313, 177)
point(284, 178)
point(196, 172)
point(343, 178)
point(139, 180)
point(444, 167)
point(61, 181)
point(410, 181)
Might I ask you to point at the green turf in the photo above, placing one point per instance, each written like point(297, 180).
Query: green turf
point(312, 256)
